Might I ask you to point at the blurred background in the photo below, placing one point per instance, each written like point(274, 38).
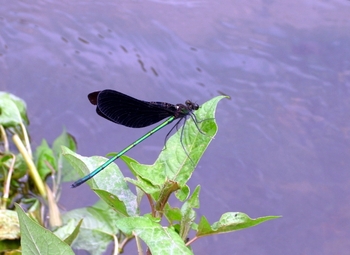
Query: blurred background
point(283, 143)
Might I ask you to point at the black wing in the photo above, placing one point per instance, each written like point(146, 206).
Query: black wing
point(128, 111)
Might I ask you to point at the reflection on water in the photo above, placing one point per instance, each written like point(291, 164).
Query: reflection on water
point(283, 140)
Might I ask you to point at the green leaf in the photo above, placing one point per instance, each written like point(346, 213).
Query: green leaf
point(193, 201)
point(44, 155)
point(173, 163)
point(161, 240)
point(112, 201)
point(9, 113)
point(172, 214)
point(20, 168)
point(229, 222)
point(37, 240)
point(110, 179)
point(188, 214)
point(70, 239)
point(182, 193)
point(65, 139)
point(13, 110)
point(141, 183)
point(97, 229)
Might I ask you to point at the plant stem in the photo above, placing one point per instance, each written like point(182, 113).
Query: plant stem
point(7, 183)
point(33, 172)
point(4, 136)
point(26, 139)
point(139, 245)
point(192, 240)
point(150, 200)
point(125, 241)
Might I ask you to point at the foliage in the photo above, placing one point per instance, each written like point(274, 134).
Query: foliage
point(117, 216)
point(23, 173)
point(157, 182)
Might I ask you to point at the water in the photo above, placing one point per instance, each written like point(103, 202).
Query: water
point(283, 143)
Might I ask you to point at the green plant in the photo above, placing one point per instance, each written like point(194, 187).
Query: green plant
point(23, 173)
point(117, 216)
point(120, 208)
